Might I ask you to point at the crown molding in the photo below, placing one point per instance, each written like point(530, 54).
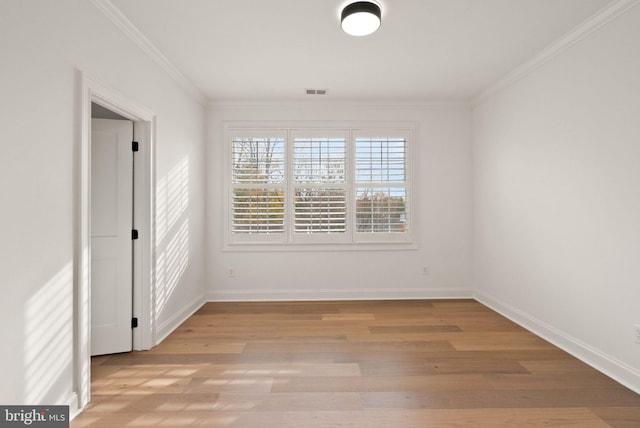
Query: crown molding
point(306, 104)
point(591, 25)
point(131, 31)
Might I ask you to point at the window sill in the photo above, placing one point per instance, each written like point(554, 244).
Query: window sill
point(361, 246)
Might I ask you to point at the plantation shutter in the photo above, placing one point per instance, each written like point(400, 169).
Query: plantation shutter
point(308, 185)
point(320, 184)
point(258, 180)
point(381, 185)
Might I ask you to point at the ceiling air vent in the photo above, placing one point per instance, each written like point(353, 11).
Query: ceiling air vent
point(316, 91)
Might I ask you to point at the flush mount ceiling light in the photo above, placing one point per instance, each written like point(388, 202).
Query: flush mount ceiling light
point(360, 18)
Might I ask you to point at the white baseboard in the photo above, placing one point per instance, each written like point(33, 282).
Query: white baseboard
point(72, 402)
point(344, 294)
point(167, 327)
point(615, 369)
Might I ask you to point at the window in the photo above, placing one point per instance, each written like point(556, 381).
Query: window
point(319, 186)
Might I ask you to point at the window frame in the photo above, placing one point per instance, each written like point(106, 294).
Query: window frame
point(350, 239)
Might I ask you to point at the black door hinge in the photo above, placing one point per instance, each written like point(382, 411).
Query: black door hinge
point(135, 146)
point(134, 322)
point(134, 234)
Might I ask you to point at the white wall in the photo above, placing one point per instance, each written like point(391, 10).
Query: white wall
point(444, 211)
point(556, 177)
point(42, 44)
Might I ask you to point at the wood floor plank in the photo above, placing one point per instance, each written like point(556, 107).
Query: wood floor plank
point(480, 418)
point(485, 341)
point(348, 347)
point(381, 383)
point(189, 346)
point(619, 417)
point(229, 384)
point(566, 365)
point(282, 369)
point(313, 401)
point(437, 363)
point(348, 317)
point(522, 398)
point(428, 365)
point(551, 381)
point(387, 329)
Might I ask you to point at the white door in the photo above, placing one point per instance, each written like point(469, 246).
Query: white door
point(111, 244)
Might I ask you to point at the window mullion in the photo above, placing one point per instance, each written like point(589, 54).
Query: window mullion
point(290, 189)
point(351, 187)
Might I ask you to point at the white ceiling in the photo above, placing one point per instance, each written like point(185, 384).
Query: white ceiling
point(425, 50)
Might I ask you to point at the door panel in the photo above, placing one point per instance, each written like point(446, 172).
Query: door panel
point(104, 185)
point(104, 301)
point(111, 224)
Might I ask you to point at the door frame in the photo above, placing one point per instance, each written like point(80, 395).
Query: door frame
point(144, 130)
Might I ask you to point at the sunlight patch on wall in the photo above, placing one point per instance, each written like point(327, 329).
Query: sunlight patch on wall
point(172, 198)
point(171, 263)
point(172, 226)
point(48, 344)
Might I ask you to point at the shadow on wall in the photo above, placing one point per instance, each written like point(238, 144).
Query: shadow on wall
point(172, 231)
point(48, 343)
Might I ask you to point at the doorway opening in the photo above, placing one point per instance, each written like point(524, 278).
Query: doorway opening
point(95, 96)
point(113, 151)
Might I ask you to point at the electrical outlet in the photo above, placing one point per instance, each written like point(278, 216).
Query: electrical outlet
point(636, 333)
point(425, 270)
point(231, 273)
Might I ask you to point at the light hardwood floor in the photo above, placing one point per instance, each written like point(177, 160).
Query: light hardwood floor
point(429, 363)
